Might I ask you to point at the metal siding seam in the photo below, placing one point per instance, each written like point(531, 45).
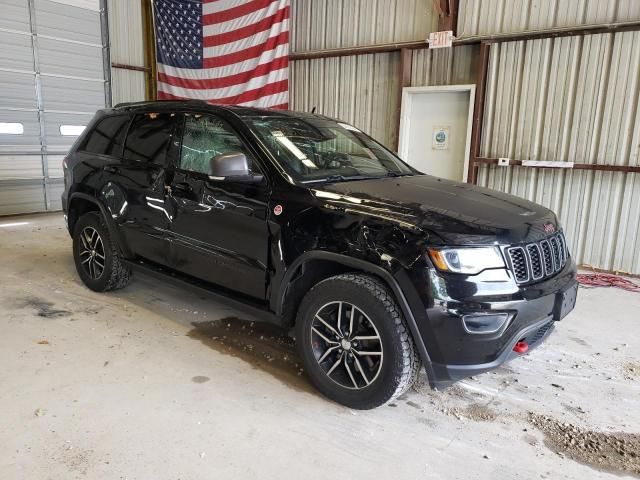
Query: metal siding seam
point(39, 101)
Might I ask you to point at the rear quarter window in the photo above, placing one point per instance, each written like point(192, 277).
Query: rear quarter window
point(149, 137)
point(107, 137)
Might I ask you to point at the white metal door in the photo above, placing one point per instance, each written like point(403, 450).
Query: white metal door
point(435, 129)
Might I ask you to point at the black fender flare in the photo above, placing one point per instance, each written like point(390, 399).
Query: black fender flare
point(368, 267)
point(114, 232)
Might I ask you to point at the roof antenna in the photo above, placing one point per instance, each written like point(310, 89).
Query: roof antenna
point(313, 110)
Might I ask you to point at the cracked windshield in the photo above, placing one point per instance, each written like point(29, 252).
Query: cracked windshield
point(321, 150)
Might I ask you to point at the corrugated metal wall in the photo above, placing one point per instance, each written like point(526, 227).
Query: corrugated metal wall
point(571, 99)
point(51, 74)
point(361, 90)
point(481, 17)
point(445, 66)
point(320, 24)
point(127, 48)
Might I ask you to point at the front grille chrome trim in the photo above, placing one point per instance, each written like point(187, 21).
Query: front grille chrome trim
point(519, 264)
point(547, 257)
point(536, 261)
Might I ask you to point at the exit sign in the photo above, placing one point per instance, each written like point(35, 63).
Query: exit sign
point(441, 39)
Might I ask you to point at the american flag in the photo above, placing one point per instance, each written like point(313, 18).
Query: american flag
point(223, 51)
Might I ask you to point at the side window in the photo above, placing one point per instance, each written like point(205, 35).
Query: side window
point(107, 137)
point(148, 137)
point(205, 137)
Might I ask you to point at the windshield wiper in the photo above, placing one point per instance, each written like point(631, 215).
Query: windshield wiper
point(338, 178)
point(342, 178)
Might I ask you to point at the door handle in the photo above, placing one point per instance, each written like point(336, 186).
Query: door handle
point(110, 169)
point(182, 187)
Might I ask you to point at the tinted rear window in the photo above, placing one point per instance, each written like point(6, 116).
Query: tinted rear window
point(107, 137)
point(149, 137)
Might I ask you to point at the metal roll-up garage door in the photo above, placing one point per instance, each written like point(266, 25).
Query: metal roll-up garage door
point(52, 80)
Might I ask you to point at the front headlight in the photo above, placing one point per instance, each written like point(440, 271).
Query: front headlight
point(466, 260)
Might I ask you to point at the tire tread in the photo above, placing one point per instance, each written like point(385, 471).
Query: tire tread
point(120, 275)
point(411, 364)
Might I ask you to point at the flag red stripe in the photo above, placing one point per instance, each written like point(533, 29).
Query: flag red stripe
point(248, 96)
point(244, 32)
point(209, 83)
point(244, 57)
point(235, 12)
point(246, 54)
point(167, 96)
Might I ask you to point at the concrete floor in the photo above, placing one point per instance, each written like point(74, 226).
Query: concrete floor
point(152, 382)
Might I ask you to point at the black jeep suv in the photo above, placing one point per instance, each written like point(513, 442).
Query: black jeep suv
point(309, 223)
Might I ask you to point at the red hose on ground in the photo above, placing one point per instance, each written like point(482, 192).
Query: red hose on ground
point(592, 280)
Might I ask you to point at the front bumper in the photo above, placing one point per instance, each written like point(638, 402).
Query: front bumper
point(454, 352)
point(534, 335)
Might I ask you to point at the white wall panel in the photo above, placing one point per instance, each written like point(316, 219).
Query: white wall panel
point(55, 140)
point(18, 90)
point(87, 4)
point(16, 52)
point(20, 166)
point(70, 59)
point(54, 66)
point(59, 20)
point(54, 164)
point(15, 15)
point(29, 140)
point(68, 94)
point(320, 24)
point(22, 197)
point(54, 189)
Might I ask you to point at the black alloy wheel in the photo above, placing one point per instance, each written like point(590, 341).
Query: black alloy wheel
point(346, 345)
point(92, 257)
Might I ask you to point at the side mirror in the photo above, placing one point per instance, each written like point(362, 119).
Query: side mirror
point(232, 167)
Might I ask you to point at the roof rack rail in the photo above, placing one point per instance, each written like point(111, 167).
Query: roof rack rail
point(132, 105)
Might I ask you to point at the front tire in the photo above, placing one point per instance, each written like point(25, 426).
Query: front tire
point(96, 256)
point(354, 342)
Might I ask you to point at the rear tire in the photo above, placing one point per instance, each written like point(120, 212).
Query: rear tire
point(361, 360)
point(96, 256)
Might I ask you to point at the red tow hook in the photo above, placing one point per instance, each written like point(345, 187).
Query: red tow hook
point(521, 347)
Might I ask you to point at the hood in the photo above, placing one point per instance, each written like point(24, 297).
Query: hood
point(451, 213)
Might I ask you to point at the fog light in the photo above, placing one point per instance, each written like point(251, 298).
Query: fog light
point(484, 322)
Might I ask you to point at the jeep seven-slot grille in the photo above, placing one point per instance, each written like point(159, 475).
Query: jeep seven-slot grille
point(538, 260)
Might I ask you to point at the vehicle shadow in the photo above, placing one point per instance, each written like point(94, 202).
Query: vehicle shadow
point(263, 346)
